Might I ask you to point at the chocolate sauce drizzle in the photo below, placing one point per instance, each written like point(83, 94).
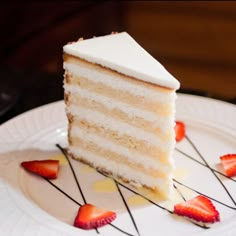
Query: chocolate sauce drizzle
point(137, 193)
point(127, 207)
point(233, 208)
point(152, 202)
point(179, 192)
point(72, 199)
point(120, 184)
point(73, 172)
point(213, 172)
point(75, 177)
point(208, 167)
point(81, 192)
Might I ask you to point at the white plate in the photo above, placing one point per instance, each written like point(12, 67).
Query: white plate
point(29, 205)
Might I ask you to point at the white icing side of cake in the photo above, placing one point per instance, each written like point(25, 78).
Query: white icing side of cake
point(162, 122)
point(133, 156)
point(116, 83)
point(164, 185)
point(120, 127)
point(120, 52)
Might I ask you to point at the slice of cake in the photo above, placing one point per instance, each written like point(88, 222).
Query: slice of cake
point(120, 104)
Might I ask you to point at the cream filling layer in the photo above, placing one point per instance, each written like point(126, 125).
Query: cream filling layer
point(164, 186)
point(119, 95)
point(130, 155)
point(121, 127)
point(124, 140)
point(119, 83)
point(161, 122)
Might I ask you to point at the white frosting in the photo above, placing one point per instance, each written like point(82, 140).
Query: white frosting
point(120, 127)
point(119, 169)
point(132, 155)
point(120, 52)
point(161, 121)
point(118, 84)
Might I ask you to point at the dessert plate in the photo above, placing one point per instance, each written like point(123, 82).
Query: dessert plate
point(32, 205)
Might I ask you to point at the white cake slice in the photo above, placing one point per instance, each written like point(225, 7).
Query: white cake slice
point(120, 104)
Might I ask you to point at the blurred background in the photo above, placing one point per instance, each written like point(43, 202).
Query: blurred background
point(194, 40)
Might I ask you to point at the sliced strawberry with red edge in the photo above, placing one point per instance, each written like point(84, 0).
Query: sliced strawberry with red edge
point(90, 217)
point(46, 168)
point(199, 208)
point(229, 164)
point(179, 131)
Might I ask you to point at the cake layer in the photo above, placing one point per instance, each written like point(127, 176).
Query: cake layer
point(158, 108)
point(161, 185)
point(129, 106)
point(145, 120)
point(109, 153)
point(121, 128)
point(118, 81)
point(132, 143)
point(134, 155)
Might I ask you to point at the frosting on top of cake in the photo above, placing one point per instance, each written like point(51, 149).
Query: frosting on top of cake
point(120, 52)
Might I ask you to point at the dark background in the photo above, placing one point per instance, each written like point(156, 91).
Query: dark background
point(194, 40)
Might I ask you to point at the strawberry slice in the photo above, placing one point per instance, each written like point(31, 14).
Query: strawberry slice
point(179, 131)
point(45, 168)
point(199, 208)
point(90, 217)
point(229, 164)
